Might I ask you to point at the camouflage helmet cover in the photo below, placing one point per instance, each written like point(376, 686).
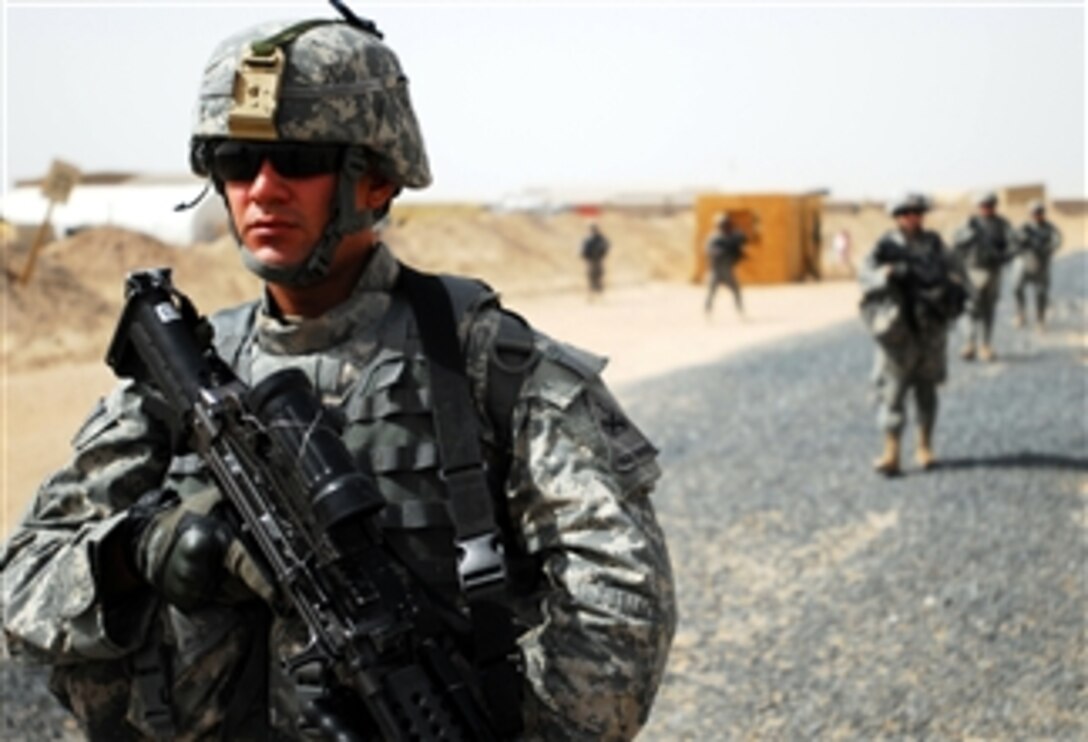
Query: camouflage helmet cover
point(1036, 206)
point(339, 84)
point(908, 202)
point(986, 198)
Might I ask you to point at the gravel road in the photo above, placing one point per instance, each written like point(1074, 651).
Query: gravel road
point(821, 601)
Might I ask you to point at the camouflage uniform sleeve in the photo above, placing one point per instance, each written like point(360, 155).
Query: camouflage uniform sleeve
point(953, 262)
point(870, 275)
point(1055, 241)
point(579, 490)
point(51, 587)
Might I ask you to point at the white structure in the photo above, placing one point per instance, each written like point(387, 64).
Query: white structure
point(138, 202)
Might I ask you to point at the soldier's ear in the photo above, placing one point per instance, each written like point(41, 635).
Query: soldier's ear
point(374, 192)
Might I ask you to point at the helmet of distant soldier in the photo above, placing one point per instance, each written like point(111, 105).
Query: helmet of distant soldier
point(908, 202)
point(986, 198)
point(1036, 206)
point(320, 81)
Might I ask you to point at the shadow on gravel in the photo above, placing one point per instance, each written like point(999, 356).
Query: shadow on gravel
point(1017, 461)
point(1031, 356)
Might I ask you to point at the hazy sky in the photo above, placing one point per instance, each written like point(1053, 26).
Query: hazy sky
point(867, 99)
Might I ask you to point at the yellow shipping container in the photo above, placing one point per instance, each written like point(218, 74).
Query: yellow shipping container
point(783, 235)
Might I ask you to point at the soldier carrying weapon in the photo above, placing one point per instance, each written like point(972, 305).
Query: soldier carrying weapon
point(984, 245)
point(485, 464)
point(913, 290)
point(1038, 240)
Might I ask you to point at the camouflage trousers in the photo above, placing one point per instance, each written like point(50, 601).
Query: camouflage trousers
point(917, 367)
point(985, 290)
point(726, 278)
point(595, 275)
point(1039, 281)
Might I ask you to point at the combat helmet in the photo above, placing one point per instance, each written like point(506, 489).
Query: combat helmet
point(908, 202)
point(986, 198)
point(322, 82)
point(1036, 206)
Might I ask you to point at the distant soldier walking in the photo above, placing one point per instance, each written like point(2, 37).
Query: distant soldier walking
point(724, 250)
point(594, 249)
point(984, 244)
point(912, 291)
point(1038, 240)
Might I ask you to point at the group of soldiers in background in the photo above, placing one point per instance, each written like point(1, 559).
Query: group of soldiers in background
point(915, 288)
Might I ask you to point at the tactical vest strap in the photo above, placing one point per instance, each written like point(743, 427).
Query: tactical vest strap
point(481, 566)
point(233, 329)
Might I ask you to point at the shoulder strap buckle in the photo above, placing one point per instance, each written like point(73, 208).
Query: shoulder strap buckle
point(481, 566)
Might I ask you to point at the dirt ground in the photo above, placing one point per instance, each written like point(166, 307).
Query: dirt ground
point(650, 320)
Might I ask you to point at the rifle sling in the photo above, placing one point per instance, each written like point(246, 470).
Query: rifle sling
point(481, 564)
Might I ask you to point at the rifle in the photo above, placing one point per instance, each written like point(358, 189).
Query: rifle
point(924, 286)
point(991, 251)
point(276, 455)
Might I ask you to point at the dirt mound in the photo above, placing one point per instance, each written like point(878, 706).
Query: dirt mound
point(69, 308)
point(529, 253)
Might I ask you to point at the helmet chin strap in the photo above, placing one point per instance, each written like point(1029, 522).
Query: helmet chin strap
point(345, 220)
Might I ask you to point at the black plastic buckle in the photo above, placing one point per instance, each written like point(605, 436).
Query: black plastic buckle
point(480, 563)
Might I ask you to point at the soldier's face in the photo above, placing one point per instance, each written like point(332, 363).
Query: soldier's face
point(910, 221)
point(986, 209)
point(280, 219)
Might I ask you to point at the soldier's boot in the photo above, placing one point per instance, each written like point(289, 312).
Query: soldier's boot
point(1018, 318)
point(888, 462)
point(924, 455)
point(985, 353)
point(968, 352)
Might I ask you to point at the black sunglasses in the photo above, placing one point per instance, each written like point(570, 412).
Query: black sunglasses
point(232, 159)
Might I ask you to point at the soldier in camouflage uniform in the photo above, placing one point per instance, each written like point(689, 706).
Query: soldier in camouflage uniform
point(155, 618)
point(984, 244)
point(724, 249)
point(1038, 240)
point(912, 290)
point(594, 250)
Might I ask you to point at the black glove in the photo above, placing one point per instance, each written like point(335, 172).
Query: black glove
point(187, 550)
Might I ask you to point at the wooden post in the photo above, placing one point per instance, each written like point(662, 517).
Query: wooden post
point(56, 188)
point(39, 240)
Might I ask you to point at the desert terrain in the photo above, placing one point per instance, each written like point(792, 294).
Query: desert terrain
point(650, 321)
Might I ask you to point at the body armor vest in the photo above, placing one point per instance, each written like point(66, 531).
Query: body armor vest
point(992, 248)
point(382, 392)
